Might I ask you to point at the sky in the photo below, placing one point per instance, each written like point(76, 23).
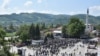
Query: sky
point(69, 7)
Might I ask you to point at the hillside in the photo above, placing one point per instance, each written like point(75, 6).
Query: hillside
point(27, 18)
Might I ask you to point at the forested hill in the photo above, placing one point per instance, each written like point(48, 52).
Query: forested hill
point(27, 18)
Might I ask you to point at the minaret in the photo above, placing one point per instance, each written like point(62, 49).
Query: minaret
point(87, 15)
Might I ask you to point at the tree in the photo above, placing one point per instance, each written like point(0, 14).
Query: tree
point(75, 27)
point(2, 35)
point(22, 28)
point(48, 35)
point(64, 31)
point(23, 32)
point(43, 26)
point(5, 50)
point(24, 36)
point(98, 27)
point(58, 25)
point(51, 36)
point(11, 28)
point(37, 32)
point(51, 26)
point(0, 26)
point(45, 39)
point(32, 31)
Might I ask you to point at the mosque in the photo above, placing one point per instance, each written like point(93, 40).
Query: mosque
point(88, 29)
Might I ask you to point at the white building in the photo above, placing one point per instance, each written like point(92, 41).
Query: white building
point(57, 33)
point(89, 28)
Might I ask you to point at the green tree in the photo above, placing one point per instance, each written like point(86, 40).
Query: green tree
point(58, 25)
point(37, 32)
point(5, 50)
point(51, 36)
point(45, 39)
point(24, 36)
point(51, 26)
point(64, 35)
point(0, 26)
point(23, 32)
point(22, 28)
point(32, 31)
point(11, 27)
point(98, 27)
point(48, 34)
point(75, 27)
point(2, 35)
point(43, 26)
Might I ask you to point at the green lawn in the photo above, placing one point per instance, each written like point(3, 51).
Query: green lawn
point(10, 34)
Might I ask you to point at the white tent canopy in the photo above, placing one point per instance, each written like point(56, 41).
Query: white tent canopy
point(57, 31)
point(94, 39)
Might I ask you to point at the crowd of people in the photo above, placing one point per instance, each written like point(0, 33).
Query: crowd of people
point(53, 47)
point(61, 47)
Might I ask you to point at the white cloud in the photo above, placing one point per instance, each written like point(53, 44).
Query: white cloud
point(76, 12)
point(94, 10)
point(7, 10)
point(5, 4)
point(39, 1)
point(16, 10)
point(72, 13)
point(4, 9)
point(49, 12)
point(28, 3)
point(24, 11)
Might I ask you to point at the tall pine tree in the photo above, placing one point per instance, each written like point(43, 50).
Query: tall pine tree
point(37, 32)
point(32, 31)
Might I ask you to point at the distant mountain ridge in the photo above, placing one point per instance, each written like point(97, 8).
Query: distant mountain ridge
point(27, 18)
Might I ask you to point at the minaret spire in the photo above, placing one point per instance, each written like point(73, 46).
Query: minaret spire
point(87, 15)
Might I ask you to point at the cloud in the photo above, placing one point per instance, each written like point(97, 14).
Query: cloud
point(16, 10)
point(76, 12)
point(28, 3)
point(94, 10)
point(4, 9)
point(39, 1)
point(24, 11)
point(5, 3)
point(49, 12)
